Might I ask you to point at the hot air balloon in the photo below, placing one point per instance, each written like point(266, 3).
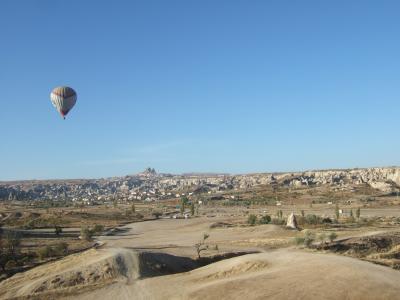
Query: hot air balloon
point(63, 99)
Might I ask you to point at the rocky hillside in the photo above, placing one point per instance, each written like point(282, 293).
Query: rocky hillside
point(151, 185)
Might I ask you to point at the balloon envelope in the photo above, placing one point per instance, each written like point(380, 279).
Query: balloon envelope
point(63, 99)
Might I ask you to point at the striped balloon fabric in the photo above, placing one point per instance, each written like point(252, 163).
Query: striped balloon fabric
point(63, 99)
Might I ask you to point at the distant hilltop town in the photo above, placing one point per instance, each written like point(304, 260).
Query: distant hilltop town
point(152, 186)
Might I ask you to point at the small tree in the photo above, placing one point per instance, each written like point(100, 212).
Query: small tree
point(311, 219)
point(252, 219)
point(266, 219)
point(184, 201)
point(133, 208)
point(201, 246)
point(86, 233)
point(337, 211)
point(192, 208)
point(358, 213)
point(13, 240)
point(57, 230)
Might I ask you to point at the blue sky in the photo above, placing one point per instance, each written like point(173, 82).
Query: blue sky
point(204, 86)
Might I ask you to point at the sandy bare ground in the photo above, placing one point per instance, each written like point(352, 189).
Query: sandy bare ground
point(178, 236)
point(282, 274)
point(137, 262)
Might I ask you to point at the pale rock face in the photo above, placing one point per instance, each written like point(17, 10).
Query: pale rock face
point(291, 221)
point(382, 186)
point(295, 183)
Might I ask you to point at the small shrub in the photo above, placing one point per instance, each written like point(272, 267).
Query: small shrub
point(24, 260)
point(332, 236)
point(252, 219)
point(98, 228)
point(322, 237)
point(192, 209)
point(350, 219)
point(86, 234)
point(11, 264)
point(60, 249)
point(57, 230)
point(202, 246)
point(299, 240)
point(309, 238)
point(337, 214)
point(156, 214)
point(44, 252)
point(266, 219)
point(305, 240)
point(326, 220)
point(277, 221)
point(29, 224)
point(139, 216)
point(312, 219)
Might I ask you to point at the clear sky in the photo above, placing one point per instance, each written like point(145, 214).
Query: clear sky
point(202, 86)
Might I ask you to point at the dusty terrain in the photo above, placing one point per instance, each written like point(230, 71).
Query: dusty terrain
point(157, 260)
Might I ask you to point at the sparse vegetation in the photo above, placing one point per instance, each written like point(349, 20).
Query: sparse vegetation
point(202, 246)
point(252, 220)
point(277, 221)
point(309, 238)
point(57, 230)
point(306, 240)
point(13, 240)
point(47, 251)
point(332, 236)
point(322, 238)
point(337, 212)
point(358, 213)
point(98, 228)
point(156, 214)
point(192, 208)
point(86, 233)
point(266, 219)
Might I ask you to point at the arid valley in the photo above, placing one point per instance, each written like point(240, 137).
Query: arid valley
point(285, 237)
